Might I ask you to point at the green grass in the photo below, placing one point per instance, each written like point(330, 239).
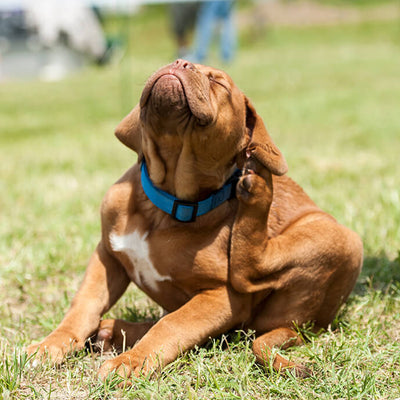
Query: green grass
point(330, 97)
point(353, 2)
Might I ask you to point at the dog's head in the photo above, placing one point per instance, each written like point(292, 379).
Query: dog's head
point(194, 127)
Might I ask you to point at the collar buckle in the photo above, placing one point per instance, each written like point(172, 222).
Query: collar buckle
point(187, 207)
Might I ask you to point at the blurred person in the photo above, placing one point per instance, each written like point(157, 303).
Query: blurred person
point(183, 18)
point(212, 13)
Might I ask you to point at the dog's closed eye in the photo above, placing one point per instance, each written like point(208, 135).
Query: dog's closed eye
point(220, 82)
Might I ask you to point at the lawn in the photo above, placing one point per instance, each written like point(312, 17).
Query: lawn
point(331, 99)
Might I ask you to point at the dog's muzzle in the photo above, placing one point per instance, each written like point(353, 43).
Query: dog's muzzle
point(168, 96)
point(176, 88)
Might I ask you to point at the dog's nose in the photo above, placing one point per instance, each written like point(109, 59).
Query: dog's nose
point(183, 64)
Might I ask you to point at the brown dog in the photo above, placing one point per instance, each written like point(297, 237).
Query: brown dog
point(265, 259)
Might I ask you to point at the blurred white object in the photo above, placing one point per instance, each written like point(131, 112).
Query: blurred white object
point(74, 20)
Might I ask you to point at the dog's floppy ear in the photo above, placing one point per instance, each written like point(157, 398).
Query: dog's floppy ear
point(129, 131)
point(261, 145)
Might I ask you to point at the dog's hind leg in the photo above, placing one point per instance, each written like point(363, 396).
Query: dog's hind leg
point(282, 338)
point(120, 334)
point(314, 252)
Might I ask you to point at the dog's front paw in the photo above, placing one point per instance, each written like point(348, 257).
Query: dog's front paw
point(126, 365)
point(53, 348)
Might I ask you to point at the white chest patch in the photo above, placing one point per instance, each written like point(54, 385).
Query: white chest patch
point(136, 248)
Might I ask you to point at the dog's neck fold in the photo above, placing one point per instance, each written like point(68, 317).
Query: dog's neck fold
point(184, 181)
point(177, 168)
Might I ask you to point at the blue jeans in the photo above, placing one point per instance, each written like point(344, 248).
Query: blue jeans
point(210, 13)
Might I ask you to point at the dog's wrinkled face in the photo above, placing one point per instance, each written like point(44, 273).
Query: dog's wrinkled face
point(178, 91)
point(193, 126)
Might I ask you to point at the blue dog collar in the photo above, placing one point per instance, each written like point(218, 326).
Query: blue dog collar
point(187, 211)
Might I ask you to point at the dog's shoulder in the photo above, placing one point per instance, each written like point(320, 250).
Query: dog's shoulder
point(120, 197)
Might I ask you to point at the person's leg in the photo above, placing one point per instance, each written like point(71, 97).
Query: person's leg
point(228, 31)
point(204, 30)
point(183, 19)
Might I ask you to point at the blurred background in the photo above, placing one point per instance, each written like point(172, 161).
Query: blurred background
point(52, 40)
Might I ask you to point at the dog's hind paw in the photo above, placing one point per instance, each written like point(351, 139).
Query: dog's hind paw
point(255, 186)
point(253, 190)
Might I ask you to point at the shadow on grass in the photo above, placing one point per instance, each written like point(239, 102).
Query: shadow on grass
point(378, 273)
